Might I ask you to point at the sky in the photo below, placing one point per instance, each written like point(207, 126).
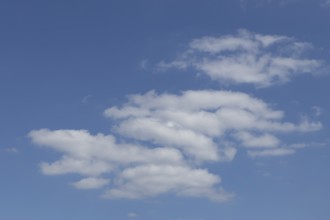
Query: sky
point(167, 110)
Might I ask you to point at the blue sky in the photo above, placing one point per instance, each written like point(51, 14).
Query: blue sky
point(169, 110)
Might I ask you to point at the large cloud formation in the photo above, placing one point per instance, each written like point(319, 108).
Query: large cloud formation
point(161, 142)
point(136, 171)
point(205, 125)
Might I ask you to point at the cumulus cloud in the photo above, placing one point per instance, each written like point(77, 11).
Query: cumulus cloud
point(174, 134)
point(97, 151)
point(138, 171)
point(202, 124)
point(160, 142)
point(247, 57)
point(152, 180)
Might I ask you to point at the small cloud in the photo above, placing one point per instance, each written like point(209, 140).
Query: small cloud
point(144, 64)
point(176, 64)
point(266, 174)
point(317, 110)
point(271, 152)
point(11, 150)
point(86, 99)
point(262, 3)
point(91, 183)
point(304, 145)
point(132, 215)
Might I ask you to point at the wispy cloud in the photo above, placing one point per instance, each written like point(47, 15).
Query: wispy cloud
point(245, 4)
point(132, 215)
point(325, 4)
point(86, 99)
point(91, 183)
point(271, 152)
point(247, 57)
point(317, 110)
point(11, 150)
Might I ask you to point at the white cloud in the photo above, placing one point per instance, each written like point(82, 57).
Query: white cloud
point(69, 164)
point(199, 123)
point(262, 141)
point(152, 180)
point(161, 141)
point(73, 165)
point(271, 152)
point(95, 156)
point(84, 148)
point(91, 183)
point(173, 135)
point(153, 129)
point(247, 57)
point(132, 215)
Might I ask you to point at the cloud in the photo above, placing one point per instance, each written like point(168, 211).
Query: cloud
point(97, 156)
point(325, 3)
point(161, 143)
point(86, 99)
point(262, 141)
point(82, 148)
point(12, 150)
point(317, 110)
point(152, 180)
point(91, 183)
point(144, 64)
point(202, 123)
point(279, 3)
point(271, 152)
point(68, 164)
point(132, 215)
point(172, 136)
point(248, 58)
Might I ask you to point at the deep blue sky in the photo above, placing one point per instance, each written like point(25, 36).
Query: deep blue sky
point(62, 63)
